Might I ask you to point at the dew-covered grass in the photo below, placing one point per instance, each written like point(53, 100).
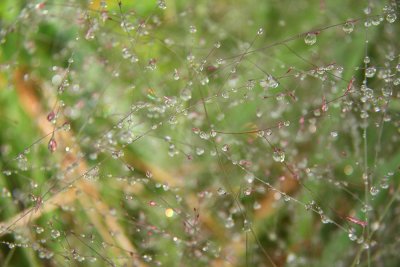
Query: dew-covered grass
point(199, 133)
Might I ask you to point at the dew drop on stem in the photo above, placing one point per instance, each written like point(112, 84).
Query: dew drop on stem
point(55, 234)
point(22, 162)
point(92, 174)
point(161, 4)
point(221, 191)
point(176, 75)
point(352, 234)
point(66, 126)
point(310, 38)
point(370, 72)
point(39, 229)
point(229, 223)
point(279, 155)
point(192, 29)
point(391, 17)
point(348, 27)
point(186, 94)
point(256, 205)
point(56, 80)
point(374, 190)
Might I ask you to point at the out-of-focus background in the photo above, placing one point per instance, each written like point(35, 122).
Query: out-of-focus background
point(199, 133)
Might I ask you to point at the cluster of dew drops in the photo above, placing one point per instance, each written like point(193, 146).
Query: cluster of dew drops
point(158, 106)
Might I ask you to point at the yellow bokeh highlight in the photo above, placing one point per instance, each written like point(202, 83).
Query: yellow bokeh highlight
point(169, 212)
point(348, 170)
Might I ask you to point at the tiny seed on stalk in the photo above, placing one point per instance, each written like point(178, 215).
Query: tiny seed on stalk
point(52, 146)
point(51, 116)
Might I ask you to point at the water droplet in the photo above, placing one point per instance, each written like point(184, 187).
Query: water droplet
point(370, 72)
point(56, 80)
point(125, 53)
point(310, 206)
point(286, 198)
point(351, 234)
point(117, 154)
point(221, 191)
point(190, 57)
point(161, 4)
point(364, 114)
point(92, 174)
point(51, 116)
point(310, 38)
point(176, 75)
point(199, 151)
point(367, 23)
point(384, 184)
point(134, 59)
point(247, 225)
point(348, 27)
point(186, 94)
point(367, 10)
point(256, 205)
point(220, 61)
point(374, 190)
point(152, 95)
point(391, 17)
point(325, 219)
point(225, 148)
point(204, 81)
point(279, 155)
point(55, 234)
point(247, 191)
point(366, 208)
point(192, 29)
point(250, 84)
point(66, 126)
point(204, 135)
point(229, 223)
point(213, 133)
point(260, 31)
point(249, 177)
point(269, 82)
point(22, 162)
point(225, 94)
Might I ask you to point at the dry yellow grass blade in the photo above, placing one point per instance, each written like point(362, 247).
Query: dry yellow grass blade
point(90, 199)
